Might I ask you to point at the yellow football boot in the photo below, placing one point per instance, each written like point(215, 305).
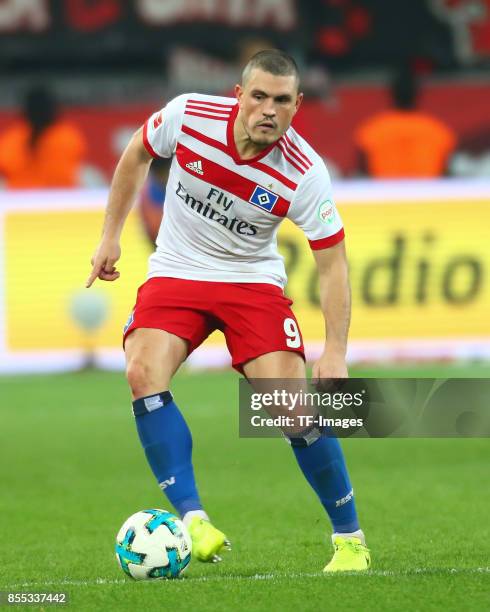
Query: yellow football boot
point(207, 541)
point(350, 555)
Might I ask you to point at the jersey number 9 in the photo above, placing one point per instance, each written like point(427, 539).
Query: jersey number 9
point(291, 330)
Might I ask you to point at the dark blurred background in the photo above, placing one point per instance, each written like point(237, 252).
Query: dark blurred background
point(112, 62)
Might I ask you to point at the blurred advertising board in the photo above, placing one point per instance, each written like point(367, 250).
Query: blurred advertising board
point(418, 255)
point(329, 127)
point(137, 29)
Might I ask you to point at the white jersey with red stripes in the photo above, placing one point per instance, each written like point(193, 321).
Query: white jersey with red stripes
point(222, 213)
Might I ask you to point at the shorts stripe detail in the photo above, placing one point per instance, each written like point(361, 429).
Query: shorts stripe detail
point(330, 241)
point(146, 142)
point(257, 165)
point(225, 179)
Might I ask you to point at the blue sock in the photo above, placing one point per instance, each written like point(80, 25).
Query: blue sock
point(324, 468)
point(167, 441)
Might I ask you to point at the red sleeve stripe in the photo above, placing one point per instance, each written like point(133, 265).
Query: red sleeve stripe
point(146, 142)
point(298, 150)
point(330, 241)
point(206, 116)
point(203, 138)
point(205, 109)
point(291, 161)
point(295, 155)
point(205, 103)
point(257, 165)
point(225, 179)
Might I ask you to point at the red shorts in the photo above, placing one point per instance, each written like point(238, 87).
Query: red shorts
point(256, 318)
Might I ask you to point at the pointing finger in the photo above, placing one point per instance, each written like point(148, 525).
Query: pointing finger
point(97, 267)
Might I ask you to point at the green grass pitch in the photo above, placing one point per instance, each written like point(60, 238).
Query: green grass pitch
point(72, 471)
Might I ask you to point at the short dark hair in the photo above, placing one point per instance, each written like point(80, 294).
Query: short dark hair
point(275, 61)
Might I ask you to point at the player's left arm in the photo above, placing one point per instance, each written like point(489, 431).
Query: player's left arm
point(313, 210)
point(335, 301)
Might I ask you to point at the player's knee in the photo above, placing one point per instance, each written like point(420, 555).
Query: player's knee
point(140, 375)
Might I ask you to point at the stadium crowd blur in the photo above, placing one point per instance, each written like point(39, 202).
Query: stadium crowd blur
point(406, 77)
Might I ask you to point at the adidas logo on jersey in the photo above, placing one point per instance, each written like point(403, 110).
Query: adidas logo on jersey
point(195, 166)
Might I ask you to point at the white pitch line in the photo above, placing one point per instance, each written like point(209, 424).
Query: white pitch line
point(377, 573)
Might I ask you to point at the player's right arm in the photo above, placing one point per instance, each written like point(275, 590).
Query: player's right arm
point(128, 179)
point(157, 138)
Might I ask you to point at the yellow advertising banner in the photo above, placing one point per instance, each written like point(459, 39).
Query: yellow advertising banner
point(46, 265)
point(419, 269)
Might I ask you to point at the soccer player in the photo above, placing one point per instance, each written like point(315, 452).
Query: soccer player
point(238, 170)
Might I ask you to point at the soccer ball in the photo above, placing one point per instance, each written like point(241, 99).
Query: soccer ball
point(153, 544)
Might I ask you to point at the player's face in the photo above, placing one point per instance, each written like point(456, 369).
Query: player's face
point(267, 104)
